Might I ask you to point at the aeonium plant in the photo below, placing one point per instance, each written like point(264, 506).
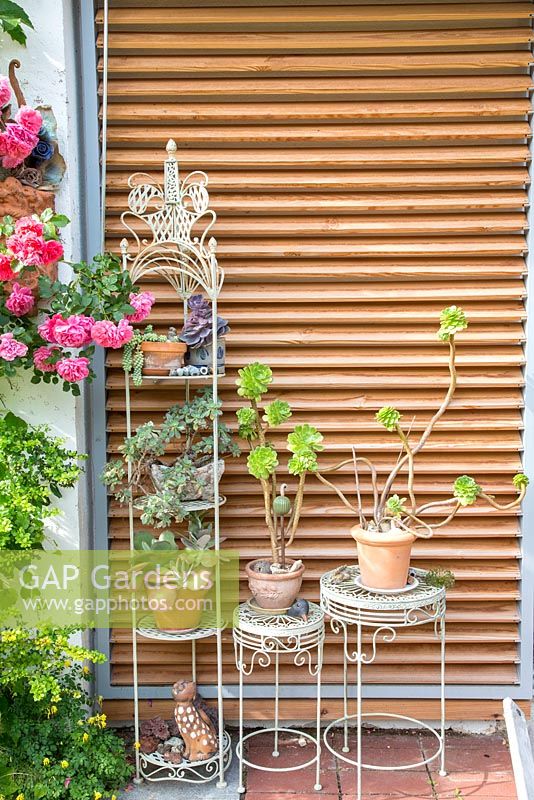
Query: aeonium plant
point(303, 444)
point(390, 513)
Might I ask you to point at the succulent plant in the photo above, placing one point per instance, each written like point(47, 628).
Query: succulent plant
point(466, 490)
point(145, 541)
point(254, 380)
point(452, 320)
point(246, 418)
point(520, 481)
point(197, 328)
point(262, 462)
point(389, 417)
point(395, 505)
point(440, 578)
point(276, 413)
point(133, 359)
point(200, 534)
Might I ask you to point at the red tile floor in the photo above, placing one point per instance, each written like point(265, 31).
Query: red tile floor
point(479, 768)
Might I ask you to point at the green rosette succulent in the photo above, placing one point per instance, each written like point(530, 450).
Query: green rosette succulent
point(303, 462)
point(389, 417)
point(276, 413)
point(466, 490)
point(520, 481)
point(262, 462)
point(305, 439)
point(452, 320)
point(254, 380)
point(246, 418)
point(395, 505)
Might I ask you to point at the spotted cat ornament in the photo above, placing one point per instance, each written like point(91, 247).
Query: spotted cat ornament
point(195, 724)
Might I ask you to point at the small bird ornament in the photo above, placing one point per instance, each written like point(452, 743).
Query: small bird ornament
point(300, 609)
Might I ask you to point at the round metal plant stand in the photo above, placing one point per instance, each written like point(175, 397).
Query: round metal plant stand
point(260, 639)
point(348, 604)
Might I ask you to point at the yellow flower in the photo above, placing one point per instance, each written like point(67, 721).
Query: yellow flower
point(137, 745)
point(20, 796)
point(66, 663)
point(98, 795)
point(86, 671)
point(46, 762)
point(99, 720)
point(52, 710)
point(64, 764)
point(113, 797)
point(85, 738)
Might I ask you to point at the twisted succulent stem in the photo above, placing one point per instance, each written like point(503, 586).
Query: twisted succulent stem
point(297, 508)
point(269, 490)
point(336, 490)
point(491, 500)
point(374, 481)
point(409, 456)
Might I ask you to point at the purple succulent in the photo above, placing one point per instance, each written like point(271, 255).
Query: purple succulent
point(197, 327)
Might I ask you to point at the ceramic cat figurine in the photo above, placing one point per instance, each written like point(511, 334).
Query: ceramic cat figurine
point(196, 727)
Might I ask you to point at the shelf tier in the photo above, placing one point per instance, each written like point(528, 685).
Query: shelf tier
point(148, 630)
point(155, 768)
point(155, 379)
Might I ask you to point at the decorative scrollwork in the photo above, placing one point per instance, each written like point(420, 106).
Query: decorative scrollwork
point(387, 633)
point(304, 658)
point(259, 657)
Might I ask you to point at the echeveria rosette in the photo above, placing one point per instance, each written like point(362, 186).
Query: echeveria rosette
point(302, 462)
point(262, 462)
point(466, 490)
point(254, 380)
point(389, 417)
point(395, 505)
point(304, 442)
point(452, 320)
point(197, 329)
point(520, 481)
point(246, 418)
point(276, 413)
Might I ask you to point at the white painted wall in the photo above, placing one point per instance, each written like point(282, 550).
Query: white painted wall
point(47, 77)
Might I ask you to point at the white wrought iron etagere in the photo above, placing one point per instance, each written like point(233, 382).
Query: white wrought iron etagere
point(350, 606)
point(259, 640)
point(180, 249)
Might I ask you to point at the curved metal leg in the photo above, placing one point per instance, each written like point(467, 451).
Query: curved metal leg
point(345, 747)
point(442, 771)
point(359, 714)
point(241, 787)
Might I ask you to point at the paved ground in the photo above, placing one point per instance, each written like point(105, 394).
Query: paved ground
point(479, 769)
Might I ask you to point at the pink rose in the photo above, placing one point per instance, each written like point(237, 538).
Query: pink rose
point(142, 303)
point(29, 225)
point(75, 331)
point(16, 144)
point(53, 251)
point(20, 301)
point(42, 356)
point(6, 273)
point(10, 348)
point(47, 329)
point(107, 334)
point(29, 118)
point(73, 369)
point(5, 91)
point(28, 249)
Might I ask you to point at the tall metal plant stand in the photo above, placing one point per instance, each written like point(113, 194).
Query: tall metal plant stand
point(261, 639)
point(170, 238)
point(349, 605)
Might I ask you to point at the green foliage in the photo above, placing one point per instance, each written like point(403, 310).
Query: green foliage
point(452, 320)
point(12, 18)
point(276, 413)
point(145, 541)
point(133, 359)
point(304, 442)
point(34, 468)
point(54, 739)
point(440, 577)
point(389, 417)
point(395, 506)
point(466, 490)
point(520, 481)
point(254, 380)
point(247, 418)
point(262, 462)
point(199, 534)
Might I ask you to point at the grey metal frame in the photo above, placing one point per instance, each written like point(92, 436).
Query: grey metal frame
point(95, 397)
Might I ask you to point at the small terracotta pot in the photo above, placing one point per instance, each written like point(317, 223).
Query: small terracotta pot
point(173, 615)
point(383, 558)
point(274, 591)
point(162, 357)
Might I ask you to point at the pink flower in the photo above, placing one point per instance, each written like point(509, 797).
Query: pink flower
point(75, 331)
point(29, 118)
point(20, 301)
point(42, 356)
point(29, 225)
point(107, 334)
point(142, 303)
point(73, 369)
point(53, 251)
point(29, 249)
point(47, 329)
point(6, 273)
point(10, 348)
point(5, 91)
point(16, 144)
point(66, 782)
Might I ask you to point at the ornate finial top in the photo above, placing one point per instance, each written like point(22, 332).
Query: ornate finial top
point(124, 245)
point(171, 147)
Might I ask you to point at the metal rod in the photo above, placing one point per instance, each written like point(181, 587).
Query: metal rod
point(276, 702)
point(359, 713)
point(241, 788)
point(345, 691)
point(318, 786)
point(442, 771)
point(104, 151)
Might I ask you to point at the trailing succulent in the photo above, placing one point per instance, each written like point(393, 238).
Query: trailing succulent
point(160, 489)
point(303, 443)
point(133, 358)
point(390, 510)
point(197, 327)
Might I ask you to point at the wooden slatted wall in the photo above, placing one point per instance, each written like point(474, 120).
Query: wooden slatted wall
point(368, 163)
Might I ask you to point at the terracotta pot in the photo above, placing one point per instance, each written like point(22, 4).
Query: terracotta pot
point(184, 606)
point(162, 357)
point(383, 558)
point(274, 591)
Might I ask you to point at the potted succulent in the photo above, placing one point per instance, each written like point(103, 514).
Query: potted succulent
point(276, 583)
point(385, 533)
point(162, 491)
point(197, 334)
point(151, 353)
point(186, 579)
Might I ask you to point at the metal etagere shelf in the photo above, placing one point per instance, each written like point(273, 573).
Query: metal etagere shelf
point(181, 251)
